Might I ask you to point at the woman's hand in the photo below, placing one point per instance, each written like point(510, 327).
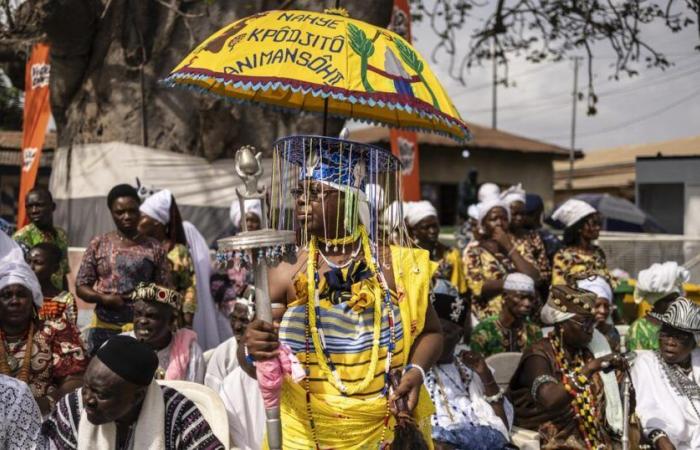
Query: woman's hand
point(261, 339)
point(502, 239)
point(111, 301)
point(409, 388)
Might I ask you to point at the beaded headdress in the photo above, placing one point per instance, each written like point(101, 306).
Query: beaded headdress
point(367, 176)
point(151, 292)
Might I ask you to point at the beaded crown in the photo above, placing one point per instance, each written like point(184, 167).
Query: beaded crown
point(151, 292)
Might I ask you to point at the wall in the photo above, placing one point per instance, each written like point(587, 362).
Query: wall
point(447, 166)
point(684, 170)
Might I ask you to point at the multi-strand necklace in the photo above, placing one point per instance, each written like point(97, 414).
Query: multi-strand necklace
point(682, 383)
point(9, 364)
point(578, 386)
point(313, 333)
point(437, 387)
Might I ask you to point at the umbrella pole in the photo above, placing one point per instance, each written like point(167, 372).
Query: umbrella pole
point(325, 100)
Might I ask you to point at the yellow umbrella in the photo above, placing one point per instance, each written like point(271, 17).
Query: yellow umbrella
point(299, 59)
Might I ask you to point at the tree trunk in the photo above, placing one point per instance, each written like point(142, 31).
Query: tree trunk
point(109, 55)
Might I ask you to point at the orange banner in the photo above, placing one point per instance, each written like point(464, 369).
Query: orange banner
point(37, 112)
point(404, 144)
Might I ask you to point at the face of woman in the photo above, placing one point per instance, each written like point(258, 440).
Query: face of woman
point(152, 323)
point(41, 263)
point(675, 345)
point(312, 200)
point(252, 221)
point(125, 214)
point(517, 216)
point(426, 231)
point(601, 310)
point(578, 331)
point(496, 218)
point(16, 306)
point(591, 228)
point(148, 226)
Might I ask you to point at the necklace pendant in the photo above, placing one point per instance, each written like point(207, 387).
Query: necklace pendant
point(12, 363)
point(335, 248)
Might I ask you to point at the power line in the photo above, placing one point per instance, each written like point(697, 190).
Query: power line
point(638, 119)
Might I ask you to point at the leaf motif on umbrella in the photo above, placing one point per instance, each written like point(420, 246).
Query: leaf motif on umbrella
point(364, 47)
point(409, 56)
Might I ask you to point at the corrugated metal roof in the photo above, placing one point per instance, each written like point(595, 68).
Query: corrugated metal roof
point(12, 140)
point(483, 138)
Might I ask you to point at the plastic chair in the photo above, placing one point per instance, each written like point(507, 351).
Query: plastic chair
point(504, 365)
point(209, 404)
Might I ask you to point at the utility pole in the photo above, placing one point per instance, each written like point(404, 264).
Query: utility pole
point(494, 88)
point(572, 148)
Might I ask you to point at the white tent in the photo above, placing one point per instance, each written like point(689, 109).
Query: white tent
point(83, 175)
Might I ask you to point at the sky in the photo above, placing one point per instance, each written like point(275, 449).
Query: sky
point(653, 106)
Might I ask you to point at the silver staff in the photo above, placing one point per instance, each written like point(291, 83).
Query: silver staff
point(259, 249)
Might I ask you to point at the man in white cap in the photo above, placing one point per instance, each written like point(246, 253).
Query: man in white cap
point(658, 286)
point(511, 330)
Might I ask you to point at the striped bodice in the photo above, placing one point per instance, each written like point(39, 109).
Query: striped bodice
point(348, 339)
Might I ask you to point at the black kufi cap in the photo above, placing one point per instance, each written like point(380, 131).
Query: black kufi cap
point(132, 360)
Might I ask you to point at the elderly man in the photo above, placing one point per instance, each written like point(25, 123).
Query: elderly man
point(121, 407)
point(667, 381)
point(156, 310)
point(20, 417)
point(511, 330)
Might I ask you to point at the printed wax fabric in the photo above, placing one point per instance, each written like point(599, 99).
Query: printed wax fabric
point(481, 265)
point(571, 260)
point(490, 337)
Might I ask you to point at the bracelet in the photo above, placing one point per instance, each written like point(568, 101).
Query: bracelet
point(657, 434)
point(496, 397)
point(539, 381)
point(417, 367)
point(578, 380)
point(250, 359)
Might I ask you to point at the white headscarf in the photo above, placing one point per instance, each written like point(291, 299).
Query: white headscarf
point(519, 282)
point(487, 191)
point(157, 206)
point(660, 280)
point(211, 326)
point(473, 212)
point(572, 211)
point(251, 206)
point(392, 214)
point(414, 212)
point(598, 285)
point(488, 205)
point(19, 272)
point(515, 193)
point(10, 251)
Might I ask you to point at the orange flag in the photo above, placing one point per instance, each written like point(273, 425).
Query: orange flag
point(404, 144)
point(37, 111)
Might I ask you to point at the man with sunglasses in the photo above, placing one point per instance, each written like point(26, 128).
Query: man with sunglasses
point(565, 386)
point(667, 380)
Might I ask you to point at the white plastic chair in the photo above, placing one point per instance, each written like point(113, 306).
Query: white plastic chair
point(504, 365)
point(209, 404)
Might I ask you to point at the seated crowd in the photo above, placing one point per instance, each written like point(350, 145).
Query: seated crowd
point(160, 306)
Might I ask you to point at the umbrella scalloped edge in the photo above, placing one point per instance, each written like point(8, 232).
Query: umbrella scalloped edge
point(180, 79)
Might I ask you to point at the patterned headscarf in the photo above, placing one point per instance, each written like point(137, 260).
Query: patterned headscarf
point(565, 302)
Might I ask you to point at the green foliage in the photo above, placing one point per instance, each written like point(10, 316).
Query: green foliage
point(409, 56)
point(364, 47)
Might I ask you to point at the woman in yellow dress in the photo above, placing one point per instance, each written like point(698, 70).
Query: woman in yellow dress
point(579, 254)
point(357, 308)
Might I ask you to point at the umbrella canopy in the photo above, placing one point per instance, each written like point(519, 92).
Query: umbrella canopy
point(620, 214)
point(299, 59)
